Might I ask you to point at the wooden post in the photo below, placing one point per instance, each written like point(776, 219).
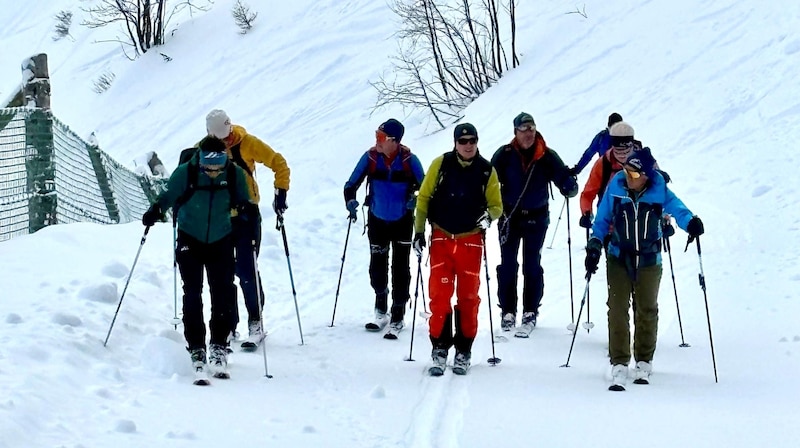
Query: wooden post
point(36, 78)
point(39, 136)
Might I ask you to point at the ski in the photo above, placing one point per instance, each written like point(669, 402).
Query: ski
point(200, 377)
point(222, 375)
point(524, 331)
point(249, 346)
point(378, 325)
point(460, 370)
point(616, 388)
point(391, 334)
point(641, 381)
point(436, 371)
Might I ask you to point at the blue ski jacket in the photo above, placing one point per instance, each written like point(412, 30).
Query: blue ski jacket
point(391, 183)
point(600, 144)
point(634, 220)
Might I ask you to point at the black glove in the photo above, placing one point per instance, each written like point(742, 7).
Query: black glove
point(279, 203)
point(352, 207)
point(574, 171)
point(593, 250)
point(666, 176)
point(248, 211)
point(695, 227)
point(419, 243)
point(152, 215)
point(586, 220)
point(666, 228)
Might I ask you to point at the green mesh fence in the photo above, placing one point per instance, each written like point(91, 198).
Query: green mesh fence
point(49, 175)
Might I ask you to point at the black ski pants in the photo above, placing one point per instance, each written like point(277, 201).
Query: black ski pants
point(247, 241)
point(383, 234)
point(217, 259)
point(526, 228)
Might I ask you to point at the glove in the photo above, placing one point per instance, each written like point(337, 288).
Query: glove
point(484, 221)
point(586, 220)
point(419, 243)
point(695, 227)
point(593, 248)
point(352, 207)
point(666, 176)
point(666, 228)
point(279, 203)
point(574, 171)
point(152, 215)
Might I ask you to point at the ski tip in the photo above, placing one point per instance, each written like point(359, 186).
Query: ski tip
point(201, 382)
point(616, 388)
point(390, 336)
point(641, 381)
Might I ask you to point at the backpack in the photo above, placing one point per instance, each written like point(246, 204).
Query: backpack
point(193, 174)
point(406, 175)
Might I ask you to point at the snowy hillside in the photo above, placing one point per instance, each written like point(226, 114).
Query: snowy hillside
point(709, 85)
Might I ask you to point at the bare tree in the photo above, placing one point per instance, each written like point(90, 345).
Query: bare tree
point(449, 53)
point(243, 17)
point(63, 23)
point(144, 21)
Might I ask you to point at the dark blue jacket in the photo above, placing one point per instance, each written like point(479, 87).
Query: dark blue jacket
point(636, 219)
point(391, 189)
point(546, 166)
point(600, 144)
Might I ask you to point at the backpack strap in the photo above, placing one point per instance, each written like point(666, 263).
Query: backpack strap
point(606, 176)
point(236, 155)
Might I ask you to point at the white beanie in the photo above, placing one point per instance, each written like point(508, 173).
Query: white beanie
point(218, 124)
point(619, 129)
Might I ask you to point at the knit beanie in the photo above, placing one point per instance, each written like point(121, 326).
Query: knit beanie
point(464, 130)
point(218, 124)
point(613, 119)
point(523, 118)
point(393, 129)
point(621, 133)
point(643, 161)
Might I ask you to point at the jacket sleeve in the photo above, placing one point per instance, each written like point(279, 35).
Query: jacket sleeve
point(493, 199)
point(416, 168)
point(176, 185)
point(566, 183)
point(602, 223)
point(354, 182)
point(591, 151)
point(592, 187)
point(676, 208)
point(426, 190)
point(261, 152)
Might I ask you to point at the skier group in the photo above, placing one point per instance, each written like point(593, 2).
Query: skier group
point(214, 195)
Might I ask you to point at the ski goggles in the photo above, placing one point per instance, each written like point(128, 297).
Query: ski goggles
point(526, 127)
point(381, 136)
point(212, 169)
point(632, 172)
point(467, 140)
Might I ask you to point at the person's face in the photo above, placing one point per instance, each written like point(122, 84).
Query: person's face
point(467, 146)
point(525, 134)
point(622, 151)
point(634, 178)
point(212, 171)
point(384, 143)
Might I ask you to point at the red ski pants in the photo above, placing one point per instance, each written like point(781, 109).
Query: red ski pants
point(455, 266)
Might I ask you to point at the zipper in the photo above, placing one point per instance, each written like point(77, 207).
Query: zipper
point(210, 202)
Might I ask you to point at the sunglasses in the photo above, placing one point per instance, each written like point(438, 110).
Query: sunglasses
point(632, 172)
point(381, 136)
point(526, 127)
point(467, 141)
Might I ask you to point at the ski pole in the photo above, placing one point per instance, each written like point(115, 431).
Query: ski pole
point(575, 331)
point(494, 360)
point(280, 226)
point(557, 223)
point(175, 320)
point(589, 324)
point(341, 269)
point(668, 247)
point(569, 252)
point(127, 282)
point(414, 317)
point(702, 278)
point(260, 309)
